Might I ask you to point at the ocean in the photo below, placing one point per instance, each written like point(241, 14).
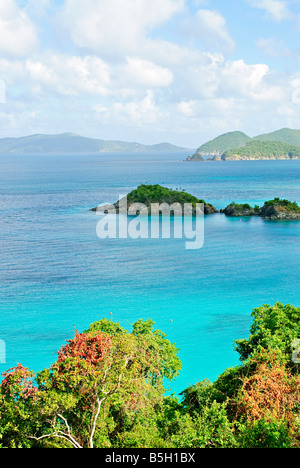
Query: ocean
point(56, 275)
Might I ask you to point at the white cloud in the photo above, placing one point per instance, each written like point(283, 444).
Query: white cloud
point(212, 29)
point(114, 26)
point(276, 9)
point(59, 75)
point(81, 75)
point(138, 112)
point(271, 47)
point(93, 95)
point(124, 74)
point(187, 108)
point(240, 79)
point(147, 73)
point(17, 33)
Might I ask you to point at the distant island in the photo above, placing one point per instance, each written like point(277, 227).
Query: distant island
point(263, 150)
point(155, 194)
point(235, 146)
point(68, 143)
point(148, 195)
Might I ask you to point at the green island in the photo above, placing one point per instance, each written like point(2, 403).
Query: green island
point(140, 201)
point(275, 209)
point(107, 390)
point(222, 143)
point(263, 150)
point(237, 146)
point(155, 194)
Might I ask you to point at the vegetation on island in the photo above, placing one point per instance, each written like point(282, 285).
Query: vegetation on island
point(263, 150)
point(272, 209)
point(244, 206)
point(151, 195)
point(288, 205)
point(222, 143)
point(148, 194)
point(281, 144)
point(107, 390)
point(241, 209)
point(285, 135)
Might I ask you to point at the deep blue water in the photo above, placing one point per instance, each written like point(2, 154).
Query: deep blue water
point(55, 273)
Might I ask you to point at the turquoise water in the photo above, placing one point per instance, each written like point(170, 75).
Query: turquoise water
point(56, 274)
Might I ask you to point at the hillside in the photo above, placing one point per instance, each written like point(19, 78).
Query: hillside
point(71, 143)
point(263, 150)
point(285, 135)
point(281, 144)
point(222, 143)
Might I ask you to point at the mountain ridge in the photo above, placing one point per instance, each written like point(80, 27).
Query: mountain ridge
point(67, 143)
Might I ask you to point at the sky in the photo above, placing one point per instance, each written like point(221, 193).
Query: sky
point(178, 71)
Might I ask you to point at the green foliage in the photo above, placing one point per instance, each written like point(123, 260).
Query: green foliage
point(17, 408)
point(153, 342)
point(283, 205)
point(148, 194)
point(265, 434)
point(263, 149)
point(274, 328)
point(285, 135)
point(288, 205)
point(103, 384)
point(223, 143)
point(257, 208)
point(241, 207)
point(282, 143)
point(107, 389)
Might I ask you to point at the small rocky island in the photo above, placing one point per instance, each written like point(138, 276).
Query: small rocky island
point(276, 209)
point(148, 195)
point(236, 210)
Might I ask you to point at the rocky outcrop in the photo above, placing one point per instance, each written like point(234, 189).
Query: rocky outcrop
point(195, 157)
point(217, 158)
point(210, 209)
point(274, 209)
point(236, 211)
point(277, 212)
point(199, 157)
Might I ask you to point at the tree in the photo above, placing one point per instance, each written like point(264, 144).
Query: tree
point(274, 328)
point(101, 383)
point(18, 397)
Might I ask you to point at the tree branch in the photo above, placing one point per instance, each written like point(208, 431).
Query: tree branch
point(60, 434)
point(99, 404)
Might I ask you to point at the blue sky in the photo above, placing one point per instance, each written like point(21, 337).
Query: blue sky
point(182, 71)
